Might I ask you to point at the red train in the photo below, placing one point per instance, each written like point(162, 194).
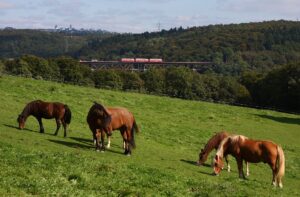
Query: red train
point(141, 60)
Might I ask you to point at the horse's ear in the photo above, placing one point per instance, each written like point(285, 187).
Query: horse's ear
point(201, 149)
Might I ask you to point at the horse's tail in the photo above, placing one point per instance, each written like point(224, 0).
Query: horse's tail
point(68, 115)
point(280, 165)
point(134, 128)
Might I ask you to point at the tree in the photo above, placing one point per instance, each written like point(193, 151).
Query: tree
point(131, 81)
point(107, 79)
point(179, 82)
point(154, 79)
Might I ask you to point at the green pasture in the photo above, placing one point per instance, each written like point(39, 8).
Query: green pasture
point(163, 164)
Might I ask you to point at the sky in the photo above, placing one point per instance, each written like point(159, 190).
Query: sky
point(138, 16)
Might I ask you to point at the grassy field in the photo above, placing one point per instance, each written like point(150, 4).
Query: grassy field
point(163, 164)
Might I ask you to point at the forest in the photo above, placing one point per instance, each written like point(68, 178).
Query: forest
point(255, 64)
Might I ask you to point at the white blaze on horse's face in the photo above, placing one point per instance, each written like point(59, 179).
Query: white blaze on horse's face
point(218, 164)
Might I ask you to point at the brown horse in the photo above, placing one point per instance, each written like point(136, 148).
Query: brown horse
point(213, 143)
point(40, 109)
point(253, 151)
point(103, 120)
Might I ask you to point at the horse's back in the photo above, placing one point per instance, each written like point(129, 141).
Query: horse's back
point(48, 110)
point(120, 117)
point(258, 150)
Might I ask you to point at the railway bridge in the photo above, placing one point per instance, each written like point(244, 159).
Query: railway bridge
point(141, 64)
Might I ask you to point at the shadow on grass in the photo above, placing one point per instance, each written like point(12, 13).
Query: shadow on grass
point(116, 152)
point(80, 145)
point(25, 129)
point(281, 119)
point(82, 140)
point(206, 173)
point(194, 163)
point(71, 144)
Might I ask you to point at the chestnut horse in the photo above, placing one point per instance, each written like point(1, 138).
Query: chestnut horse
point(213, 143)
point(253, 151)
point(40, 109)
point(103, 120)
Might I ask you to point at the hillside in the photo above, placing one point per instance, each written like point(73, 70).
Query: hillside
point(172, 133)
point(44, 43)
point(233, 48)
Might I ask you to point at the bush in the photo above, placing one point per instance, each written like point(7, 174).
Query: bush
point(131, 81)
point(107, 79)
point(155, 80)
point(179, 82)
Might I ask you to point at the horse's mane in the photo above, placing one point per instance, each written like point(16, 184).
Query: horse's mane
point(233, 139)
point(100, 107)
point(27, 109)
point(212, 142)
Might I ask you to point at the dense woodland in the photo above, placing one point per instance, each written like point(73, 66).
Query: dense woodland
point(45, 43)
point(256, 64)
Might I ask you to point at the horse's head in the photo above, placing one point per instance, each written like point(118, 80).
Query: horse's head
point(202, 157)
point(21, 121)
point(218, 164)
point(104, 117)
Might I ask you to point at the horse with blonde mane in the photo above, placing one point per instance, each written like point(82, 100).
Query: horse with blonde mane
point(253, 151)
point(213, 143)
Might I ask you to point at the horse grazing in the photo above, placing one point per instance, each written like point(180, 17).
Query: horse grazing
point(253, 151)
point(40, 109)
point(213, 143)
point(103, 120)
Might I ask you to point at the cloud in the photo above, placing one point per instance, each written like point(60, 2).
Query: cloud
point(6, 5)
point(282, 7)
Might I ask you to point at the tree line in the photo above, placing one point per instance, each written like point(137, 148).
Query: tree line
point(278, 88)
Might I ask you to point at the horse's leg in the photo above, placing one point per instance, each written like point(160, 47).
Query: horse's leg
point(247, 168)
point(108, 142)
point(102, 148)
point(240, 167)
point(273, 179)
point(129, 145)
point(228, 165)
point(273, 167)
point(94, 137)
point(41, 125)
point(97, 135)
point(125, 139)
point(124, 143)
point(65, 128)
point(57, 126)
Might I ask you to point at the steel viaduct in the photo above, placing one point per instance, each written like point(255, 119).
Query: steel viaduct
point(141, 66)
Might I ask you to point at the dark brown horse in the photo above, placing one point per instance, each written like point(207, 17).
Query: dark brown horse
point(253, 151)
point(103, 120)
point(213, 143)
point(40, 109)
